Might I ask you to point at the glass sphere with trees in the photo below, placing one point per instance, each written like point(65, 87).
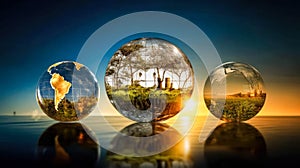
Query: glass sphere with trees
point(149, 79)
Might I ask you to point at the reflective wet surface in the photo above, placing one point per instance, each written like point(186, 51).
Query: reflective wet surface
point(260, 142)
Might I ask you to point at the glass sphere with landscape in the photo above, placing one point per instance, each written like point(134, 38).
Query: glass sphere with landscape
point(234, 92)
point(149, 79)
point(67, 91)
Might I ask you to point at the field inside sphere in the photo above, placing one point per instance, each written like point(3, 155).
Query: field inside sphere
point(149, 79)
point(234, 92)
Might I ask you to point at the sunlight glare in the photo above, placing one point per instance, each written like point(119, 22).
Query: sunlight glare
point(36, 114)
point(190, 104)
point(186, 147)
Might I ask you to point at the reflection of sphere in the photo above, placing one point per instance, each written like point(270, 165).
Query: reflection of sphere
point(67, 145)
point(67, 91)
point(176, 156)
point(144, 146)
point(149, 79)
point(234, 92)
point(235, 145)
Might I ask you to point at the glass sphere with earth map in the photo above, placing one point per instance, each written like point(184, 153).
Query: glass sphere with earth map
point(67, 91)
point(234, 92)
point(149, 79)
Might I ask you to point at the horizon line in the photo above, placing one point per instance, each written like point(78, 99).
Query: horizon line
point(125, 117)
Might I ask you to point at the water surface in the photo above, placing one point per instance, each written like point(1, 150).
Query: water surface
point(42, 142)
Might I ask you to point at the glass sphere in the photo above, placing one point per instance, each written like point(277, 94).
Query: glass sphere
point(149, 79)
point(67, 91)
point(68, 145)
point(234, 92)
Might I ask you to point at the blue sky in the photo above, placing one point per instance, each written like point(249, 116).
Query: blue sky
point(37, 34)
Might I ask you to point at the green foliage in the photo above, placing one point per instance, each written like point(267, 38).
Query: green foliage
point(128, 49)
point(235, 109)
point(142, 98)
point(67, 110)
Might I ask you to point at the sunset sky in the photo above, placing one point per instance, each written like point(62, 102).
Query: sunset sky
point(264, 34)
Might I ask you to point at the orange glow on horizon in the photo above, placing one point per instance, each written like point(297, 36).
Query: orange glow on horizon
point(281, 100)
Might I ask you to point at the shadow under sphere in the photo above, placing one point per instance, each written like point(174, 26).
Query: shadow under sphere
point(175, 156)
point(235, 145)
point(67, 145)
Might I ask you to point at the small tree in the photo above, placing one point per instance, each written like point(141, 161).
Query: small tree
point(124, 57)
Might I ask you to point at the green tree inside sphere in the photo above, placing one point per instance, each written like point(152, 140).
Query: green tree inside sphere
point(149, 79)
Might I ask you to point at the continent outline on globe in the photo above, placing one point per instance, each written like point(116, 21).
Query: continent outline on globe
point(61, 88)
point(67, 91)
point(59, 84)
